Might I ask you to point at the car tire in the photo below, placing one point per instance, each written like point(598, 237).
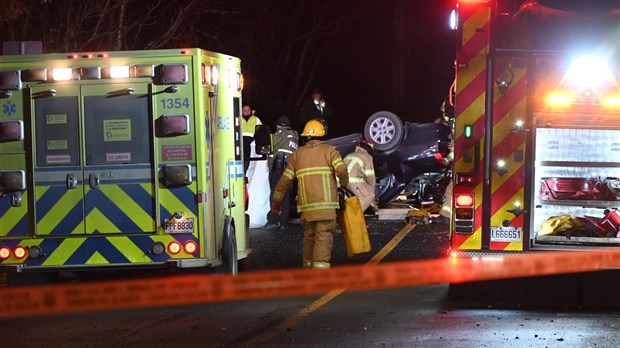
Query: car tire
point(385, 130)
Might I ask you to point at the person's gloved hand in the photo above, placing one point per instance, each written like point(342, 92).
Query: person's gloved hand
point(276, 207)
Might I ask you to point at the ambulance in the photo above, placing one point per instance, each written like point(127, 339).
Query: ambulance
point(121, 160)
point(537, 126)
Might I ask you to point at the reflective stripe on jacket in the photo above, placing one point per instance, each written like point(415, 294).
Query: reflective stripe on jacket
point(283, 142)
point(248, 127)
point(360, 167)
point(315, 166)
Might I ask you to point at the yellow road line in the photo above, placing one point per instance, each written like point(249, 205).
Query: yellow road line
point(391, 245)
point(292, 321)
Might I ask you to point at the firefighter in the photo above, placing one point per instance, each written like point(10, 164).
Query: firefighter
point(249, 121)
point(315, 165)
point(284, 141)
point(362, 174)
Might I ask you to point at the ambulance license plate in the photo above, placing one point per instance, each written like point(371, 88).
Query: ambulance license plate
point(505, 234)
point(182, 225)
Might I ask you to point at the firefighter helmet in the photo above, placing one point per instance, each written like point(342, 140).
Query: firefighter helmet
point(366, 145)
point(314, 128)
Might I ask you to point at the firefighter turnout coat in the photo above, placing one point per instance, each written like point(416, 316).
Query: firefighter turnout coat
point(362, 176)
point(315, 165)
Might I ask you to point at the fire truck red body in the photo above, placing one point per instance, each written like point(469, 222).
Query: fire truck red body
point(537, 127)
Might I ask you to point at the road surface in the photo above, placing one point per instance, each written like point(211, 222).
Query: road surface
point(404, 317)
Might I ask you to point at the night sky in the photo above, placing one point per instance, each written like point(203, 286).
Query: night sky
point(357, 74)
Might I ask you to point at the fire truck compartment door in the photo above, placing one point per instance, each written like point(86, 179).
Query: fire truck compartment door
point(119, 180)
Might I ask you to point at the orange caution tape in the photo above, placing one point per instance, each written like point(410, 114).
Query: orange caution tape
point(184, 290)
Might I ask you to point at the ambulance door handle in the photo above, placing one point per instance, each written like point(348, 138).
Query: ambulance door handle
point(93, 180)
point(71, 181)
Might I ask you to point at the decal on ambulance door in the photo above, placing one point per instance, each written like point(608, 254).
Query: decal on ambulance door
point(117, 130)
point(57, 174)
point(57, 129)
point(118, 173)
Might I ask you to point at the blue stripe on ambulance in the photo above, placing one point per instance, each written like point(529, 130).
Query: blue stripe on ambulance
point(46, 202)
point(186, 196)
point(70, 221)
point(21, 227)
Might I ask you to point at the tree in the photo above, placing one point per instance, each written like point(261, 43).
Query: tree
point(99, 25)
point(281, 42)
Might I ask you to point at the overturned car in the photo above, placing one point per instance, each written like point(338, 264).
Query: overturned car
point(410, 159)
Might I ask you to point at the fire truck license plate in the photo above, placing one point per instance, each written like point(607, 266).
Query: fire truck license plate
point(182, 225)
point(505, 234)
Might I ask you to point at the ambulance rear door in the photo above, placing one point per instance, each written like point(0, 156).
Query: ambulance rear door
point(57, 174)
point(119, 171)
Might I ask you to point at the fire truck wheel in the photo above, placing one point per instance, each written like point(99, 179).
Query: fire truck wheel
point(385, 130)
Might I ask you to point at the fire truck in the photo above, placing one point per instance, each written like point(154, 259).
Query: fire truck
point(121, 160)
point(537, 126)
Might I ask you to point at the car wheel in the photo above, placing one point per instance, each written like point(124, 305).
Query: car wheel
point(385, 130)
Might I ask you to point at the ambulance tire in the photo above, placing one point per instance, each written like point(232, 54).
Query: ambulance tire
point(385, 130)
point(230, 253)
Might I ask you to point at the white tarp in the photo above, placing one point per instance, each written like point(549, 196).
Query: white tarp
point(258, 190)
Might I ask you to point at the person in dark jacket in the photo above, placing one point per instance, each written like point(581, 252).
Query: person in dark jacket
point(284, 143)
point(315, 108)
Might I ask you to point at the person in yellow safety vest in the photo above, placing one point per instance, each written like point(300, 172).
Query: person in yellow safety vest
point(316, 166)
point(362, 174)
point(249, 121)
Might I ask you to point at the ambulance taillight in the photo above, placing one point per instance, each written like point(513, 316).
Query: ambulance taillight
point(190, 247)
point(19, 252)
point(5, 253)
point(464, 205)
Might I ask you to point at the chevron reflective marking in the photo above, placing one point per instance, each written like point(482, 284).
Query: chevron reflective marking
point(119, 249)
point(502, 214)
point(96, 259)
point(99, 223)
point(14, 219)
point(63, 251)
point(177, 199)
point(472, 242)
point(505, 188)
point(130, 250)
point(47, 199)
point(58, 205)
point(120, 218)
point(71, 223)
point(91, 245)
point(135, 200)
